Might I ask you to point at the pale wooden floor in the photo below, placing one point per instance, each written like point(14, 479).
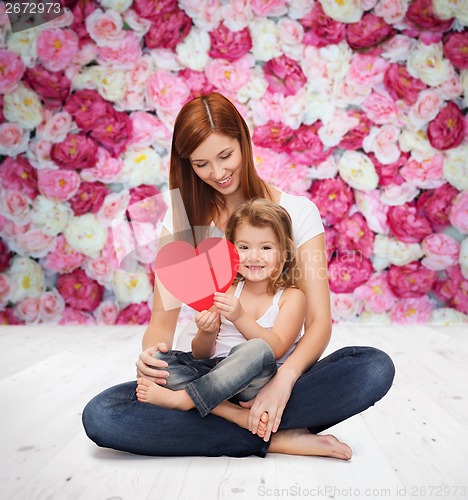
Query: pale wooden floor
point(415, 438)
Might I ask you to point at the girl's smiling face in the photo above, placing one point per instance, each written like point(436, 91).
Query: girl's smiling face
point(218, 162)
point(258, 250)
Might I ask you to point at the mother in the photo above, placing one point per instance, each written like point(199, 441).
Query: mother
point(212, 166)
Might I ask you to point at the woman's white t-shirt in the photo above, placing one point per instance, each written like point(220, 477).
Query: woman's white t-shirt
point(306, 223)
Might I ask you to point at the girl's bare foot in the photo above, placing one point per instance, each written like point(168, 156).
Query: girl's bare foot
point(149, 392)
point(302, 442)
point(240, 416)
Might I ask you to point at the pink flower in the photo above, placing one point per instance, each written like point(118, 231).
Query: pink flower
point(353, 233)
point(330, 241)
point(34, 243)
point(366, 70)
point(401, 85)
point(284, 75)
point(148, 129)
point(353, 139)
point(28, 310)
point(112, 131)
point(436, 204)
point(99, 269)
point(274, 8)
point(456, 48)
point(370, 205)
point(407, 224)
point(52, 306)
point(321, 30)
point(447, 129)
point(86, 106)
point(148, 9)
point(333, 198)
point(15, 206)
point(167, 91)
point(230, 76)
point(56, 48)
point(425, 108)
point(63, 258)
point(196, 81)
point(2, 117)
point(376, 295)
point(58, 185)
point(89, 198)
point(412, 311)
point(77, 151)
point(168, 29)
point(18, 174)
point(13, 139)
point(7, 317)
point(420, 14)
point(229, 45)
point(441, 251)
point(5, 256)
point(80, 12)
point(105, 28)
point(123, 55)
point(348, 270)
point(459, 212)
point(383, 142)
point(114, 207)
point(306, 147)
point(393, 11)
point(5, 288)
point(55, 126)
point(368, 32)
point(274, 135)
point(11, 70)
point(380, 107)
point(452, 290)
point(73, 316)
point(389, 173)
point(425, 174)
point(106, 313)
point(411, 280)
point(79, 290)
point(107, 168)
point(146, 204)
point(134, 314)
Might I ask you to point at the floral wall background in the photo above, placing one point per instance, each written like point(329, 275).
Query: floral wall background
point(359, 105)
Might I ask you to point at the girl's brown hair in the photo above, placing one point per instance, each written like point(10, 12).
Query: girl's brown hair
point(265, 213)
point(199, 118)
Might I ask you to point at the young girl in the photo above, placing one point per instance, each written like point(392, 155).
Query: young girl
point(262, 317)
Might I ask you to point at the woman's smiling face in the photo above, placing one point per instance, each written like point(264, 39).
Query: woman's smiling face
point(218, 162)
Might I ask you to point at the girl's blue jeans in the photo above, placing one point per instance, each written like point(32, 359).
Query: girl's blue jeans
point(334, 388)
point(247, 368)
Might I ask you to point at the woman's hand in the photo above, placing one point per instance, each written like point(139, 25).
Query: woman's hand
point(228, 305)
point(272, 398)
point(152, 368)
point(208, 322)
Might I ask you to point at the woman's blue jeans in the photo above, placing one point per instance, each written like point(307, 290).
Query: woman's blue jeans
point(335, 388)
point(239, 376)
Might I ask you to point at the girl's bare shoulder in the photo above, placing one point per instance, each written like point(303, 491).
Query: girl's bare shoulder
point(291, 294)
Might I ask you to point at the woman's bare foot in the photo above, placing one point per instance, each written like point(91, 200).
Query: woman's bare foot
point(149, 392)
point(302, 442)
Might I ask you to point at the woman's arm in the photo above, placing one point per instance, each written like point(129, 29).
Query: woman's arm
point(274, 396)
point(287, 324)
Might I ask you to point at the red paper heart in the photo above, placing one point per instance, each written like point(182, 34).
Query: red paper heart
point(193, 275)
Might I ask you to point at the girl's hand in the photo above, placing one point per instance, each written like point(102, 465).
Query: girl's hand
point(228, 305)
point(272, 398)
point(208, 322)
point(152, 368)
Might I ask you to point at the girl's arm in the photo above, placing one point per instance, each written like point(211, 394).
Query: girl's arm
point(204, 342)
point(287, 324)
point(274, 396)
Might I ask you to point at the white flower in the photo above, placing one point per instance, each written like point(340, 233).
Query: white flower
point(236, 14)
point(23, 106)
point(85, 235)
point(416, 142)
point(394, 194)
point(446, 9)
point(110, 83)
point(294, 108)
point(334, 129)
point(398, 48)
point(38, 154)
point(26, 278)
point(24, 44)
point(139, 25)
point(456, 167)
point(193, 50)
point(141, 166)
point(344, 306)
point(117, 5)
point(50, 216)
point(369, 318)
point(464, 257)
point(325, 170)
point(427, 62)
point(345, 11)
point(163, 59)
point(299, 8)
point(447, 316)
point(254, 88)
point(357, 170)
point(266, 43)
point(13, 139)
point(395, 251)
point(131, 287)
point(105, 28)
